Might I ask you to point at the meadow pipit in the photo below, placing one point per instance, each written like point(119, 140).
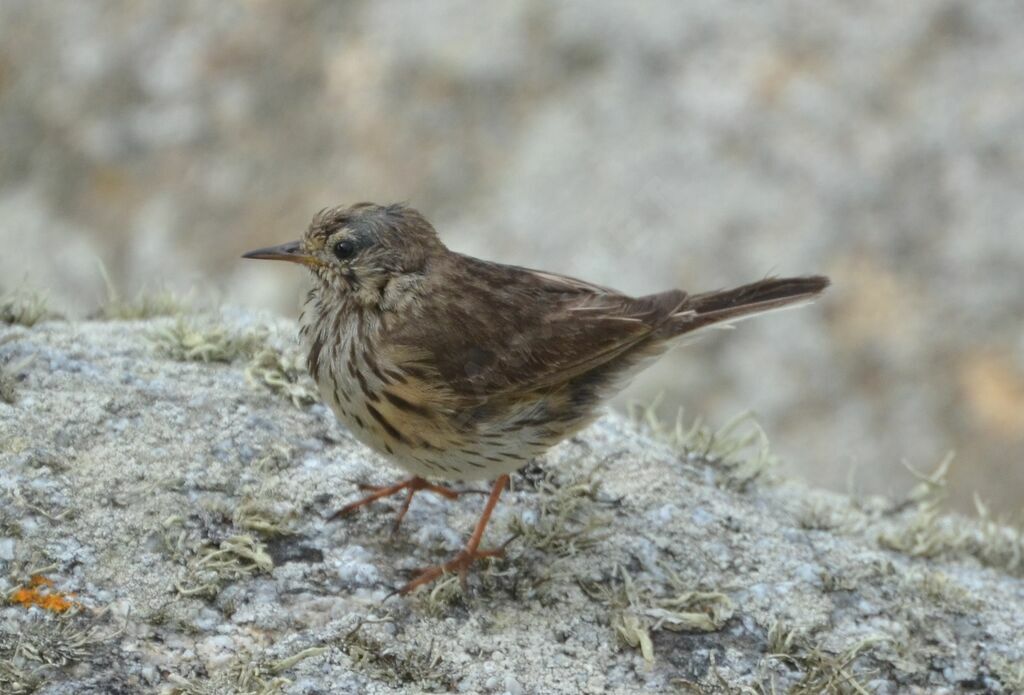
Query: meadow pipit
point(459, 368)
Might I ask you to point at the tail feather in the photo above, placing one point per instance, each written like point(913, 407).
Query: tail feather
point(723, 306)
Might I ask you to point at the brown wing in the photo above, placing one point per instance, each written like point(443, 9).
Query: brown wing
point(493, 330)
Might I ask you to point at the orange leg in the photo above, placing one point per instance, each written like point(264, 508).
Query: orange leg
point(412, 485)
point(462, 562)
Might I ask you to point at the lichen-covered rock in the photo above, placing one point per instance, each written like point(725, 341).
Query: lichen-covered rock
point(165, 488)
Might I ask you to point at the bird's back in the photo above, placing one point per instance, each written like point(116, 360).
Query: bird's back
point(488, 365)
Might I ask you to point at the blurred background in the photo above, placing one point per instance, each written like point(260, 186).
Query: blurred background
point(649, 145)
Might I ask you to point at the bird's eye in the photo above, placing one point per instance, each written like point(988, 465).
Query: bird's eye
point(344, 249)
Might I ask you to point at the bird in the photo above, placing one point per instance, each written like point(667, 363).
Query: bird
point(457, 368)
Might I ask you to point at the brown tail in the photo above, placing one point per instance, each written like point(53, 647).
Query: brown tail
point(709, 308)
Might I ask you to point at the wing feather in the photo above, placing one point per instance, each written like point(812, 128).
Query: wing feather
point(519, 330)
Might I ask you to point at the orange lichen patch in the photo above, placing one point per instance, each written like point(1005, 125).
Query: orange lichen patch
point(40, 592)
point(994, 388)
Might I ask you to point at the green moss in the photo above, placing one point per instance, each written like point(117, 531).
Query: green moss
point(42, 646)
point(437, 601)
point(276, 459)
point(260, 516)
point(262, 509)
point(1010, 673)
point(188, 341)
point(817, 512)
point(239, 678)
point(24, 308)
point(740, 448)
point(143, 306)
point(637, 610)
point(937, 589)
point(566, 521)
point(922, 529)
point(996, 543)
point(59, 642)
point(8, 386)
point(827, 672)
point(247, 675)
point(783, 640)
point(922, 535)
point(284, 374)
point(396, 662)
point(19, 678)
point(211, 567)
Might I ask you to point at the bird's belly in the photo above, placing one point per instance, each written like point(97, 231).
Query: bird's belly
point(480, 444)
point(433, 445)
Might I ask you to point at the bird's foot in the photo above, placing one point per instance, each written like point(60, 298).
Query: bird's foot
point(464, 560)
point(460, 563)
point(410, 486)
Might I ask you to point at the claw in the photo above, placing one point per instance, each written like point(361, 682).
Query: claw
point(460, 563)
point(413, 485)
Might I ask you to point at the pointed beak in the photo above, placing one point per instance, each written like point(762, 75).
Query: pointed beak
point(292, 251)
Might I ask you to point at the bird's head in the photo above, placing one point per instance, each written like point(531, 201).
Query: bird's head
point(361, 251)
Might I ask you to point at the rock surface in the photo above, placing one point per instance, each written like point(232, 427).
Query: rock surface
point(179, 509)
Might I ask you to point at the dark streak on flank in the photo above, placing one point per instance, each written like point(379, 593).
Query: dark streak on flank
point(372, 364)
point(338, 392)
point(396, 375)
point(313, 359)
point(336, 326)
point(405, 405)
point(417, 372)
point(365, 387)
point(352, 359)
point(428, 463)
point(360, 325)
point(388, 427)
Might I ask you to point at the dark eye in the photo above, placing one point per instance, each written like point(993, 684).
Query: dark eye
point(344, 249)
